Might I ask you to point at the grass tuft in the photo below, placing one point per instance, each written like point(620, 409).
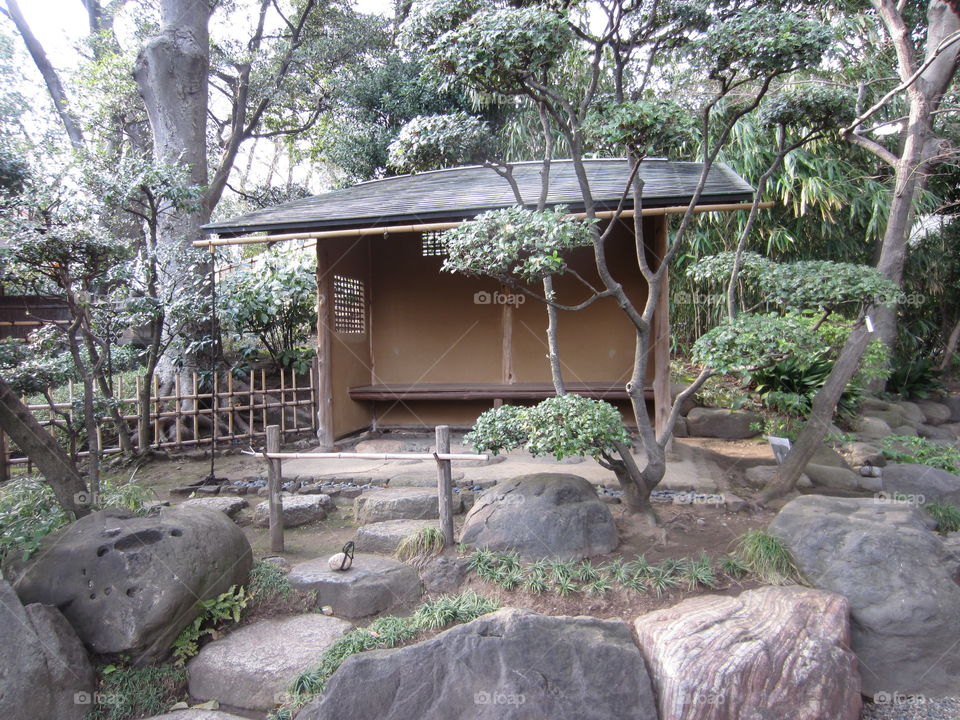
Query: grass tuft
point(420, 545)
point(946, 515)
point(128, 692)
point(767, 558)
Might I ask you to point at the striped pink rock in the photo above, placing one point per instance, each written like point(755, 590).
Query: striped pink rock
point(775, 652)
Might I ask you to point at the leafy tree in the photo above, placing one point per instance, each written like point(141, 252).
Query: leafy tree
point(516, 51)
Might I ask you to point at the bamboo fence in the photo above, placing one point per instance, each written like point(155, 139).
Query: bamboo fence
point(185, 418)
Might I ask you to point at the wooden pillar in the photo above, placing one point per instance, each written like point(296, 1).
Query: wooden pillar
point(445, 485)
point(661, 338)
point(274, 486)
point(324, 351)
point(506, 326)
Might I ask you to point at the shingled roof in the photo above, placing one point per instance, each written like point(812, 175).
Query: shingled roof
point(464, 192)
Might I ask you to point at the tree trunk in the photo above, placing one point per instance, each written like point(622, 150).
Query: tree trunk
point(553, 343)
point(43, 450)
point(821, 416)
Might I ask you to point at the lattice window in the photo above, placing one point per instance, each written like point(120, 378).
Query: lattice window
point(349, 310)
point(432, 244)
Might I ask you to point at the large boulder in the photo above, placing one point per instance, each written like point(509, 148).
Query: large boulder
point(926, 484)
point(402, 503)
point(251, 667)
point(129, 584)
point(761, 475)
point(722, 423)
point(835, 478)
point(953, 402)
point(826, 455)
point(551, 515)
point(44, 669)
point(872, 428)
point(940, 433)
point(296, 509)
point(899, 579)
point(935, 413)
point(372, 585)
point(773, 652)
point(509, 665)
point(860, 453)
point(383, 537)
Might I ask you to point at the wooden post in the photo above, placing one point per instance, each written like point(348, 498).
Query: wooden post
point(274, 480)
point(445, 485)
point(662, 399)
point(324, 351)
point(4, 467)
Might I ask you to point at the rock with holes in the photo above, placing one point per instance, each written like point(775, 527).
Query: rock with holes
point(545, 515)
point(899, 578)
point(297, 510)
point(44, 670)
point(775, 652)
point(383, 537)
point(251, 667)
point(230, 505)
point(512, 664)
point(402, 503)
point(372, 585)
point(129, 584)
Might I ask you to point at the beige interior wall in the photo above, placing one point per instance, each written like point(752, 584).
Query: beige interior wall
point(350, 352)
point(428, 328)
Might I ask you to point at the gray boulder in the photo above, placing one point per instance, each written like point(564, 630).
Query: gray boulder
point(372, 585)
point(509, 665)
point(230, 505)
point(942, 433)
point(861, 453)
point(898, 577)
point(760, 475)
point(953, 402)
point(130, 585)
point(551, 515)
point(835, 478)
point(422, 478)
point(251, 667)
point(893, 417)
point(772, 652)
point(935, 413)
point(910, 411)
point(44, 669)
point(445, 573)
point(721, 423)
point(383, 537)
point(933, 484)
point(826, 455)
point(402, 503)
point(297, 510)
point(871, 428)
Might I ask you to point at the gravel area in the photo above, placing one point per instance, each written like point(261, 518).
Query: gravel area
point(909, 708)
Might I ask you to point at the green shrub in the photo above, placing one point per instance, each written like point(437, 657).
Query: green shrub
point(767, 558)
point(213, 613)
point(131, 692)
point(28, 512)
point(917, 377)
point(909, 449)
point(946, 515)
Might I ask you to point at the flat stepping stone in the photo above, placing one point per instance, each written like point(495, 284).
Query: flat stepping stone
point(252, 667)
point(383, 537)
point(197, 715)
point(297, 510)
point(229, 505)
point(420, 478)
point(372, 585)
point(399, 503)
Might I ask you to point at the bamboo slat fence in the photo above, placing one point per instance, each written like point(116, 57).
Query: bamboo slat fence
point(186, 417)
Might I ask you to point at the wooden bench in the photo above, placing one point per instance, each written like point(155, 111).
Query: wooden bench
point(487, 391)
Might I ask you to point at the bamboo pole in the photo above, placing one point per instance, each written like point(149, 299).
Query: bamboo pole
point(156, 422)
point(433, 227)
point(263, 396)
point(230, 402)
point(444, 484)
point(283, 410)
point(274, 479)
point(179, 410)
point(366, 456)
point(296, 398)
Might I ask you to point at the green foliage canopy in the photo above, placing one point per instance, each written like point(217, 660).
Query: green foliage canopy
point(436, 141)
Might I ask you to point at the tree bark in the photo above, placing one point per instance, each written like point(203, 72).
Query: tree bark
point(43, 450)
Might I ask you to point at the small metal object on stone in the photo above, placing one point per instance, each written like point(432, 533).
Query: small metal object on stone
point(343, 560)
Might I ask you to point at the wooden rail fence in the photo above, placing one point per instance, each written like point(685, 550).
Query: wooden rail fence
point(185, 418)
